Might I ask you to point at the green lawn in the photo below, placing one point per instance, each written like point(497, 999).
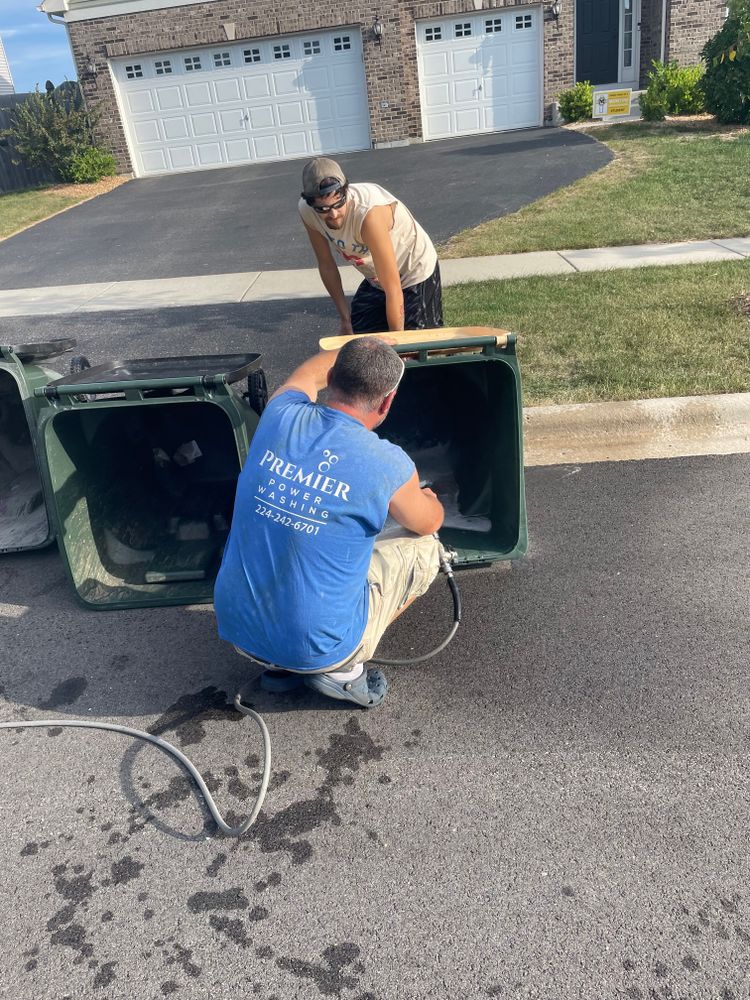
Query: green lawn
point(20, 209)
point(668, 182)
point(631, 334)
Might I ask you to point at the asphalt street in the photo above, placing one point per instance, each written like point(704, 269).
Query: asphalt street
point(245, 218)
point(555, 806)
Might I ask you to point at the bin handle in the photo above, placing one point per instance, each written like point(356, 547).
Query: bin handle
point(421, 340)
point(92, 388)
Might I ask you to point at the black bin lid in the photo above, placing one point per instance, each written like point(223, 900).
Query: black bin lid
point(27, 353)
point(188, 370)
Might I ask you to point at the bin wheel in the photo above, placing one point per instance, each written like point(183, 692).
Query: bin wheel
point(257, 390)
point(79, 363)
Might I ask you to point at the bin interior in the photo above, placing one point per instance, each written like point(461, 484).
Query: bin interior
point(144, 496)
point(457, 418)
point(23, 515)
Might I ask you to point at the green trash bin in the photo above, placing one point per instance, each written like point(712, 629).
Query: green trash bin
point(140, 460)
point(24, 523)
point(458, 414)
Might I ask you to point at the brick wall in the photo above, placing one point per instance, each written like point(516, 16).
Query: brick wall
point(690, 25)
point(391, 68)
point(651, 11)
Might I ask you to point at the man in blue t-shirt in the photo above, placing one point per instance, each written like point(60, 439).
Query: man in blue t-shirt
point(304, 585)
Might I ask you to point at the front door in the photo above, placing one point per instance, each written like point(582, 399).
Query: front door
point(597, 40)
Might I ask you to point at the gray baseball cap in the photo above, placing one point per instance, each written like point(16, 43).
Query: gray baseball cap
point(322, 177)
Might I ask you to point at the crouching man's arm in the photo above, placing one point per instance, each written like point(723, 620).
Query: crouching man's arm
point(415, 509)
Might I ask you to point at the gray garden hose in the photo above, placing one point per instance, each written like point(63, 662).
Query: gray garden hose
point(230, 831)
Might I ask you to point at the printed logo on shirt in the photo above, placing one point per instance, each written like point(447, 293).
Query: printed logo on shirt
point(294, 497)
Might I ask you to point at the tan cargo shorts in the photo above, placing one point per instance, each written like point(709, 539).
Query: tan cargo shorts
point(402, 568)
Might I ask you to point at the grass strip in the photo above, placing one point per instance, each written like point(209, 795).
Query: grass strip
point(668, 182)
point(630, 334)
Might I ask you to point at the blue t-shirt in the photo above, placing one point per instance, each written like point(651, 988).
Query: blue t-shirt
point(311, 498)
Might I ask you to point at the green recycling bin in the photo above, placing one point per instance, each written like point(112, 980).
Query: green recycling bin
point(458, 414)
point(24, 523)
point(140, 460)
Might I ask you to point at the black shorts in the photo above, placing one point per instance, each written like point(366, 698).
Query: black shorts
point(423, 306)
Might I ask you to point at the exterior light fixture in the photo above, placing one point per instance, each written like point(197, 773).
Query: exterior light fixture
point(377, 30)
point(556, 9)
point(89, 70)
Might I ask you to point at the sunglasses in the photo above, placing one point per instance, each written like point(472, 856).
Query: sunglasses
point(325, 209)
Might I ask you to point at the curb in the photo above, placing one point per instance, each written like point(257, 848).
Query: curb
point(677, 427)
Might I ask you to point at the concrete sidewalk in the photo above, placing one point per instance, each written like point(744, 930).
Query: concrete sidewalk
point(265, 286)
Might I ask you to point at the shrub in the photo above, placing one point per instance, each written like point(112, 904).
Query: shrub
point(653, 106)
point(91, 165)
point(727, 80)
point(577, 103)
point(678, 90)
point(51, 130)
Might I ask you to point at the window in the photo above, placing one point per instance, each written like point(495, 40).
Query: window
point(134, 72)
point(493, 25)
point(341, 43)
point(627, 35)
point(462, 29)
point(524, 21)
point(222, 59)
point(433, 34)
point(251, 55)
point(282, 52)
point(163, 67)
point(312, 48)
point(192, 63)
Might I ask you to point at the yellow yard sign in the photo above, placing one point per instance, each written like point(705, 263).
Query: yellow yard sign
point(610, 103)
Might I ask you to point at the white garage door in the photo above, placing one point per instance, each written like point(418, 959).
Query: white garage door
point(480, 72)
point(268, 99)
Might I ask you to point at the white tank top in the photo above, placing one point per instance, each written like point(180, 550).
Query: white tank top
point(415, 255)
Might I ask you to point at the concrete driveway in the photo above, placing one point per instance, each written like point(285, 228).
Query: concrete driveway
point(244, 218)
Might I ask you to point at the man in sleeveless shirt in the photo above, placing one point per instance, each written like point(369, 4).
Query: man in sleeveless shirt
point(305, 585)
point(368, 227)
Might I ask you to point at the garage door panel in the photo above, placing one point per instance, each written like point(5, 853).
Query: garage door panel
point(294, 143)
point(181, 157)
point(209, 153)
point(434, 64)
point(257, 86)
point(261, 117)
point(147, 131)
point(345, 75)
point(232, 121)
point(313, 81)
point(247, 106)
point(496, 88)
point(267, 148)
point(319, 111)
point(523, 84)
point(228, 91)
point(323, 139)
point(526, 54)
point(198, 95)
point(285, 84)
point(175, 128)
point(466, 62)
point(346, 105)
point(437, 94)
point(348, 137)
point(480, 72)
point(140, 101)
point(465, 90)
point(238, 150)
point(204, 125)
point(169, 98)
point(154, 160)
point(291, 113)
